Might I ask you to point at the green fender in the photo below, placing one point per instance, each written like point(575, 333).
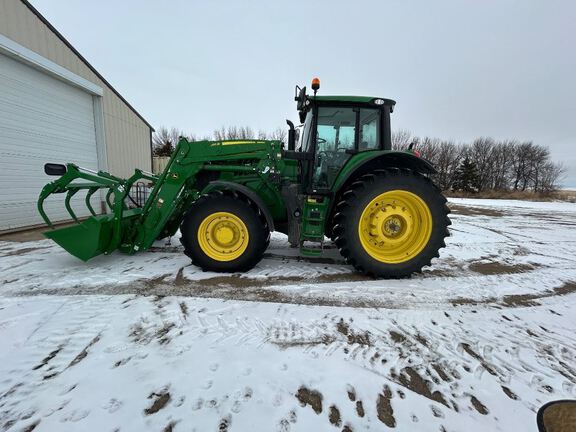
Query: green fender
point(364, 162)
point(243, 190)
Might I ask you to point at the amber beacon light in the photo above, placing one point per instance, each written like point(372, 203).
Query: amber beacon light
point(315, 85)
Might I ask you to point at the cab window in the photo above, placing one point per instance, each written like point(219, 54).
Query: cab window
point(369, 129)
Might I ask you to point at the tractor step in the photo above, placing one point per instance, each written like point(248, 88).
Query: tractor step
point(310, 252)
point(307, 250)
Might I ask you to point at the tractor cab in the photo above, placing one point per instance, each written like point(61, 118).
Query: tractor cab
point(334, 129)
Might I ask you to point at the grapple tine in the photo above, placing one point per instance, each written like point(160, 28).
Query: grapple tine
point(69, 195)
point(91, 192)
point(108, 195)
point(46, 191)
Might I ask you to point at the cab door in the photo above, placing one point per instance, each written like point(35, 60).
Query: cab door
point(340, 133)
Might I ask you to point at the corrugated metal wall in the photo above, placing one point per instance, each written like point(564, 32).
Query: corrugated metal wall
point(127, 135)
point(159, 164)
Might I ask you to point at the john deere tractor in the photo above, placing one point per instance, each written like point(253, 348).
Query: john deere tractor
point(340, 180)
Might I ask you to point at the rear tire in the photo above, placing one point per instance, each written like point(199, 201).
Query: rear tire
point(391, 223)
point(224, 233)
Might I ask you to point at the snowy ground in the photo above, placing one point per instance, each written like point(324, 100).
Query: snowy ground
point(148, 342)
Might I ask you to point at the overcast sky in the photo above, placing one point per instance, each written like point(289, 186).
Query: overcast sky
point(458, 69)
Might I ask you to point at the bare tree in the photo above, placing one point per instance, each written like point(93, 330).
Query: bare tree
point(550, 176)
point(401, 139)
point(278, 134)
point(520, 169)
point(481, 153)
point(234, 132)
point(428, 147)
point(502, 155)
point(192, 137)
point(447, 157)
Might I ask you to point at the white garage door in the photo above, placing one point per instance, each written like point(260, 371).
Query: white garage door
point(42, 119)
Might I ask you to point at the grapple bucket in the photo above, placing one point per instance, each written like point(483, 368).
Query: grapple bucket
point(86, 240)
point(99, 233)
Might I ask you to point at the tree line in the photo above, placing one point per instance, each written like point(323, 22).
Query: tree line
point(486, 164)
point(483, 165)
point(164, 140)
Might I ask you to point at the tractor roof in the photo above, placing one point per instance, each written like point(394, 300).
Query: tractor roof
point(352, 99)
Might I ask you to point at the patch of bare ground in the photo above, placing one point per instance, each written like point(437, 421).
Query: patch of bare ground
point(384, 408)
point(518, 300)
point(224, 424)
point(411, 379)
point(497, 268)
point(49, 357)
point(310, 397)
point(473, 302)
point(233, 287)
point(31, 427)
point(475, 211)
point(334, 415)
point(468, 349)
point(479, 406)
point(24, 251)
point(161, 399)
point(322, 340)
point(239, 281)
point(568, 372)
point(169, 427)
point(351, 393)
point(313, 260)
point(184, 309)
point(353, 337)
point(162, 333)
point(122, 362)
point(397, 337)
point(360, 409)
point(441, 372)
point(82, 355)
point(509, 393)
point(138, 334)
point(524, 300)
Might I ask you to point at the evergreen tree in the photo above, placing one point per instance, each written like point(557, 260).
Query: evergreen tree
point(165, 149)
point(467, 178)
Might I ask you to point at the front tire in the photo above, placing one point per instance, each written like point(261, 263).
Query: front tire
point(391, 223)
point(224, 233)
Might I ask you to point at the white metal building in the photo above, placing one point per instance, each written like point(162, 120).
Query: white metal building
point(55, 107)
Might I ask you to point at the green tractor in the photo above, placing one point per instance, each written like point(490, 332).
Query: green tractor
point(340, 179)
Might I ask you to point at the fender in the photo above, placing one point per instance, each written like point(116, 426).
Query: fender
point(247, 192)
point(366, 162)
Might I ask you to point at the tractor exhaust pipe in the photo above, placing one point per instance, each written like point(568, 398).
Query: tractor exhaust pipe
point(291, 136)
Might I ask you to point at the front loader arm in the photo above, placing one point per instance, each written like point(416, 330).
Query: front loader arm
point(179, 185)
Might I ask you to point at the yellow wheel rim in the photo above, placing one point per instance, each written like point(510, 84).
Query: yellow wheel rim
point(223, 236)
point(395, 226)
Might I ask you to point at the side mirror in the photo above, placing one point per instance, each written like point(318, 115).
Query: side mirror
point(557, 416)
point(53, 169)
